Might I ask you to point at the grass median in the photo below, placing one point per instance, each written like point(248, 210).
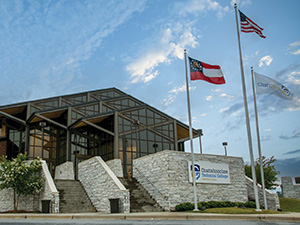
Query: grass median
point(289, 205)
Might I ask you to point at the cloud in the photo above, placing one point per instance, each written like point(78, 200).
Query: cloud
point(266, 60)
point(208, 98)
point(288, 167)
point(201, 6)
point(233, 110)
point(296, 134)
point(174, 92)
point(294, 77)
point(171, 41)
point(296, 52)
point(45, 42)
point(170, 45)
point(292, 152)
point(223, 95)
point(293, 46)
point(240, 3)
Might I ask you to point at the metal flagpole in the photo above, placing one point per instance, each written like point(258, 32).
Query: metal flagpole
point(258, 143)
point(191, 133)
point(247, 114)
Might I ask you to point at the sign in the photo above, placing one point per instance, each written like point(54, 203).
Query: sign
point(208, 172)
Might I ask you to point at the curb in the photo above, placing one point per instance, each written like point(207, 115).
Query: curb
point(292, 217)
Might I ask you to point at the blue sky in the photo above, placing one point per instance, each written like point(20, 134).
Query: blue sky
point(51, 48)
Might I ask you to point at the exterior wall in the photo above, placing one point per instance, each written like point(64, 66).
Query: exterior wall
point(101, 184)
point(289, 190)
point(64, 171)
point(116, 166)
point(33, 202)
point(272, 198)
point(165, 176)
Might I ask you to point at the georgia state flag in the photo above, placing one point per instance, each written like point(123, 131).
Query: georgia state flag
point(203, 71)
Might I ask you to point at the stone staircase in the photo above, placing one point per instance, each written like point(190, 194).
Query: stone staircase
point(73, 198)
point(140, 199)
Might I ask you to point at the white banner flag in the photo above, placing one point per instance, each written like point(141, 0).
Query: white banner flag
point(266, 85)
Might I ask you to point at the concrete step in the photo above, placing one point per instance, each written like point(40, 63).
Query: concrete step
point(140, 199)
point(73, 198)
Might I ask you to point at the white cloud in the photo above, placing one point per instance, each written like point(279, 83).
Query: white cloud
point(174, 92)
point(217, 90)
point(202, 6)
point(267, 130)
point(170, 46)
point(203, 115)
point(294, 45)
point(294, 77)
point(297, 52)
point(266, 60)
point(208, 98)
point(241, 3)
point(223, 95)
point(223, 110)
point(51, 39)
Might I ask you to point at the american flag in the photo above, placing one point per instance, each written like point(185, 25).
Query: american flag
point(247, 25)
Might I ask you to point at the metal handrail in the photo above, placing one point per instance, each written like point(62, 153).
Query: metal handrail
point(164, 196)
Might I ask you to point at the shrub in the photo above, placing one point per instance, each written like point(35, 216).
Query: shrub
point(214, 204)
point(250, 204)
point(184, 206)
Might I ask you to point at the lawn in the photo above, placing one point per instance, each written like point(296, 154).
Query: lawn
point(289, 205)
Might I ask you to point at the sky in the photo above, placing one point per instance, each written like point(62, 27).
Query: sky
point(51, 48)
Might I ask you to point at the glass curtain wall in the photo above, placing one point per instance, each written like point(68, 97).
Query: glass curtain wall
point(141, 133)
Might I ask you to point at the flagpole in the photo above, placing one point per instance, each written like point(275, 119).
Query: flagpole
point(258, 143)
point(247, 115)
point(191, 133)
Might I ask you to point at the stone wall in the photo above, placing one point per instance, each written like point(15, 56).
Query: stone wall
point(272, 198)
point(33, 202)
point(289, 190)
point(64, 171)
point(116, 166)
point(101, 184)
point(165, 176)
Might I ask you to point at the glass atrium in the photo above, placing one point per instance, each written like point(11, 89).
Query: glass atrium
point(107, 123)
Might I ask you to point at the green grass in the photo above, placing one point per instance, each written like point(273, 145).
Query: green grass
point(237, 211)
point(289, 205)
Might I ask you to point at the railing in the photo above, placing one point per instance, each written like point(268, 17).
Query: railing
point(52, 188)
point(155, 188)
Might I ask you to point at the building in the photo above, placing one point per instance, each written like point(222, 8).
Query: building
point(104, 137)
point(107, 123)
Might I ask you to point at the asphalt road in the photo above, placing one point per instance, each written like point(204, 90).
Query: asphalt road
point(137, 222)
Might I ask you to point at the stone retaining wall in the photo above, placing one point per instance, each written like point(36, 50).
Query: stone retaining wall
point(272, 198)
point(33, 203)
point(64, 171)
point(165, 176)
point(116, 166)
point(289, 190)
point(101, 184)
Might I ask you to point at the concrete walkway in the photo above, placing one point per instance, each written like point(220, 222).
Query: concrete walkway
point(288, 217)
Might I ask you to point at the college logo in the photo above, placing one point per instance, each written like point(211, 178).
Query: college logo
point(197, 171)
point(285, 91)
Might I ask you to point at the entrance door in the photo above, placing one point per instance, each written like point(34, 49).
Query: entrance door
point(79, 158)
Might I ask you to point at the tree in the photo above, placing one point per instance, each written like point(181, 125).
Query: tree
point(21, 175)
point(269, 172)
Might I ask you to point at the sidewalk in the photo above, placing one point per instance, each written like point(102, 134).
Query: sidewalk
point(288, 217)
